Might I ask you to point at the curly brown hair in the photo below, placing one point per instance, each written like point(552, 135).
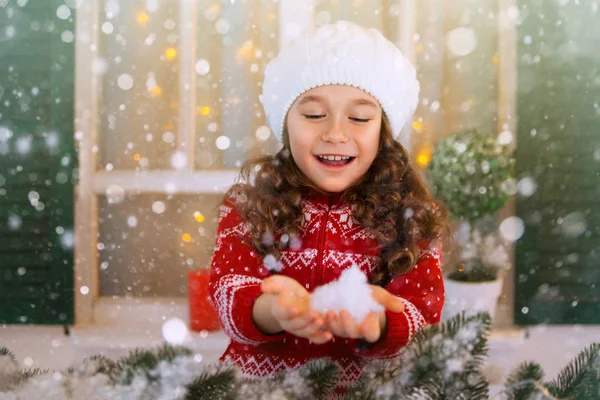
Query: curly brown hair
point(390, 200)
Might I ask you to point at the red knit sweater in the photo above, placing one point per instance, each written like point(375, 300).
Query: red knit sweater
point(331, 241)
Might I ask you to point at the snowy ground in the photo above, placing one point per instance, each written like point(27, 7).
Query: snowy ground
point(119, 331)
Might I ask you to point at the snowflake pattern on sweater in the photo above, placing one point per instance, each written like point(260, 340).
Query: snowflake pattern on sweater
point(331, 241)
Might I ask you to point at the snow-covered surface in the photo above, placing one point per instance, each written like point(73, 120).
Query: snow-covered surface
point(123, 326)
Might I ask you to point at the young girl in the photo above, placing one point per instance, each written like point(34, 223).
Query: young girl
point(340, 192)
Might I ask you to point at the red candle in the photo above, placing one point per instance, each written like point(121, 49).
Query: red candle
point(202, 310)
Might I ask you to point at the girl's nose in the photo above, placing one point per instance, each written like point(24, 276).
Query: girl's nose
point(335, 134)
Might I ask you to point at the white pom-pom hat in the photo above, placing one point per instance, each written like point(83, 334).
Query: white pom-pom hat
point(345, 54)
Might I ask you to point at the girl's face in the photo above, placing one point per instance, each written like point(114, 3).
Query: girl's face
point(334, 135)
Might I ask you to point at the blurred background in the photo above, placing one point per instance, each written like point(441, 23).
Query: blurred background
point(122, 123)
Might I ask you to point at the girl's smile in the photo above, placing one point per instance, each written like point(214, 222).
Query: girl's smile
point(334, 162)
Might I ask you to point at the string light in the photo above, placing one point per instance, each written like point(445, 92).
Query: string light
point(417, 126)
point(246, 49)
point(137, 157)
point(496, 59)
point(424, 158)
point(205, 110)
point(142, 18)
point(198, 217)
point(186, 237)
point(170, 53)
point(156, 91)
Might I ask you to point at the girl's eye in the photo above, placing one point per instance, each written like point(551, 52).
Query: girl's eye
point(360, 120)
point(313, 116)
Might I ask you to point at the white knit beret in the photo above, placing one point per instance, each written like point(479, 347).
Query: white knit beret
point(346, 54)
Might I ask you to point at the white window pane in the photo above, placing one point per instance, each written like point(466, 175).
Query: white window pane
point(234, 42)
point(138, 59)
point(147, 243)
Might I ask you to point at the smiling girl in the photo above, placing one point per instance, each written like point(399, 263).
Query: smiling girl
point(341, 192)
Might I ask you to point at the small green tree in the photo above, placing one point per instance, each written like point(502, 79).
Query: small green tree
point(473, 174)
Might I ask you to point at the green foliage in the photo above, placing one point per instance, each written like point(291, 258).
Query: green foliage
point(4, 352)
point(212, 386)
point(321, 376)
point(520, 384)
point(579, 380)
point(473, 271)
point(440, 362)
point(471, 173)
point(142, 361)
point(11, 375)
point(571, 377)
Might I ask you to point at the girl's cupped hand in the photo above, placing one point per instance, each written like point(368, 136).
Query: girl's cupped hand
point(370, 329)
point(290, 306)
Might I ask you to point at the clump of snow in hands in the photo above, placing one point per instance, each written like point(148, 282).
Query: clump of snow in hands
point(351, 292)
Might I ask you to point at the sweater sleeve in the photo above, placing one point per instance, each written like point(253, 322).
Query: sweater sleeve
point(422, 292)
point(237, 271)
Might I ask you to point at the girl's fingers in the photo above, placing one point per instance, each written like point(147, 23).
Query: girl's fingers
point(335, 324)
point(370, 328)
point(350, 327)
point(287, 305)
point(284, 307)
point(303, 321)
point(311, 330)
point(386, 299)
point(279, 283)
point(321, 337)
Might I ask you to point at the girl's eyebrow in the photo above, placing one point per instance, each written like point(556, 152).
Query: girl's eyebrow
point(364, 102)
point(310, 98)
point(318, 99)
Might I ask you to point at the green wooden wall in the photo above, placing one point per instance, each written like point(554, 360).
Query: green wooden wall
point(37, 162)
point(558, 258)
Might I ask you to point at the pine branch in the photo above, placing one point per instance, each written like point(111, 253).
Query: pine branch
point(168, 352)
point(590, 384)
point(569, 379)
point(102, 364)
point(29, 373)
point(519, 384)
point(212, 386)
point(5, 352)
point(433, 353)
point(321, 376)
point(378, 375)
point(138, 360)
point(432, 390)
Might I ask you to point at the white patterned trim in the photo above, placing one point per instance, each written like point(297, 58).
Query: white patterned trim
point(240, 230)
point(300, 260)
point(341, 221)
point(413, 316)
point(415, 321)
point(257, 366)
point(338, 259)
point(311, 216)
point(434, 251)
point(224, 212)
point(227, 286)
